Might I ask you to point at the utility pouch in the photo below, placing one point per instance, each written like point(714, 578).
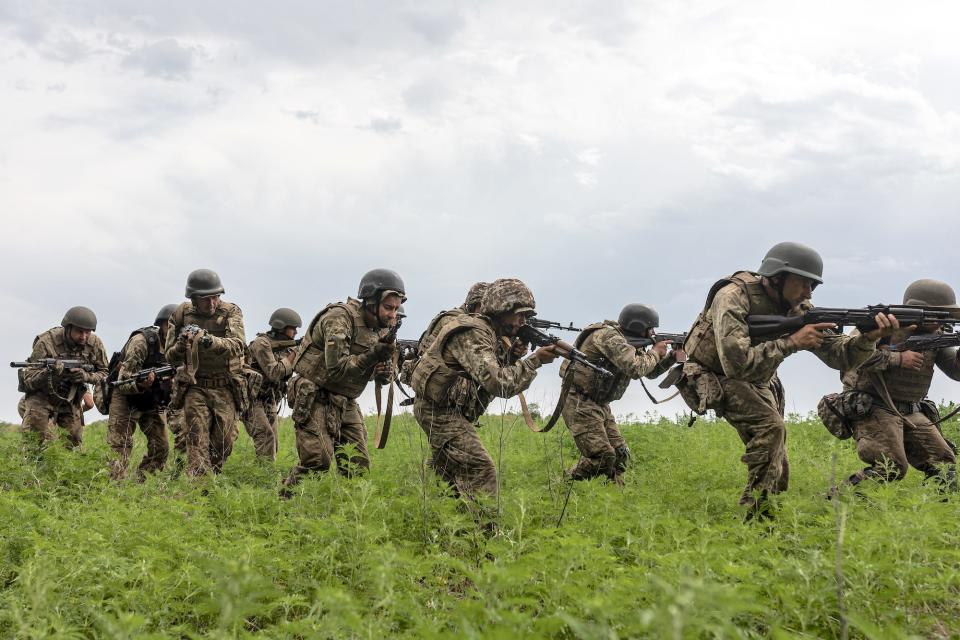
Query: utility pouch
point(238, 388)
point(832, 416)
point(178, 391)
point(102, 394)
point(700, 388)
point(254, 384)
point(930, 411)
point(302, 395)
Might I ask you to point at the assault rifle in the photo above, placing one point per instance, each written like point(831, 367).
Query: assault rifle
point(928, 342)
point(52, 363)
point(189, 331)
point(677, 340)
point(863, 319)
point(408, 349)
point(162, 373)
point(536, 338)
point(548, 324)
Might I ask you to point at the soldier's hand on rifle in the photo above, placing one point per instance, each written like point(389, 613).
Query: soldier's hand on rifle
point(661, 348)
point(887, 323)
point(679, 355)
point(911, 360)
point(75, 376)
point(519, 348)
point(547, 354)
point(57, 368)
point(147, 382)
point(382, 370)
point(811, 336)
point(383, 350)
point(291, 356)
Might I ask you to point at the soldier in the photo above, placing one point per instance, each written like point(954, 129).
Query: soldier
point(271, 356)
point(55, 396)
point(344, 347)
point(461, 372)
point(603, 451)
point(205, 335)
point(899, 430)
point(142, 402)
point(736, 375)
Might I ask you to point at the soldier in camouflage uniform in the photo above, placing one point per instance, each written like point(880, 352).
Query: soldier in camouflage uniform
point(54, 397)
point(603, 451)
point(890, 439)
point(271, 356)
point(210, 386)
point(736, 375)
point(461, 372)
point(140, 403)
point(344, 347)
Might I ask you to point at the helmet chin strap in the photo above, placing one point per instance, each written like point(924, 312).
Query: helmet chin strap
point(375, 310)
point(781, 283)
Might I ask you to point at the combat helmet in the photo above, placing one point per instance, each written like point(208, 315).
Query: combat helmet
point(401, 313)
point(638, 319)
point(507, 295)
point(80, 317)
point(283, 318)
point(164, 314)
point(203, 282)
point(380, 282)
point(930, 293)
point(792, 257)
point(475, 296)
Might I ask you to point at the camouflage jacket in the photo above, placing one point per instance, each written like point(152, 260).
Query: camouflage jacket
point(224, 356)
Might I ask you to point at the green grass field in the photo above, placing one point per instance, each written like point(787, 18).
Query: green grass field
point(389, 555)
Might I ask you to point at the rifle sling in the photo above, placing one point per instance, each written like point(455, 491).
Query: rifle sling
point(383, 430)
point(564, 391)
point(654, 400)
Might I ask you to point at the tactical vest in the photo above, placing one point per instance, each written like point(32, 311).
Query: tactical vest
point(701, 344)
point(211, 365)
point(444, 383)
point(311, 360)
point(598, 388)
point(152, 397)
point(426, 339)
point(904, 385)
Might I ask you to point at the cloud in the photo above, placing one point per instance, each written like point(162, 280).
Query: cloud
point(385, 125)
point(166, 59)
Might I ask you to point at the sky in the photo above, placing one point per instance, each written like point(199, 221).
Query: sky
point(606, 153)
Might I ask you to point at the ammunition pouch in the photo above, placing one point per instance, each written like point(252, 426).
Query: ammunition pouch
point(253, 384)
point(700, 388)
point(301, 396)
point(930, 411)
point(838, 411)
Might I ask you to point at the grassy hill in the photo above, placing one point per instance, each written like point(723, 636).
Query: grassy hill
point(390, 555)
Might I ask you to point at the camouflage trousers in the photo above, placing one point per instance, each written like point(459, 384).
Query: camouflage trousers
point(457, 454)
point(121, 425)
point(260, 423)
point(603, 451)
point(41, 417)
point(210, 415)
point(890, 445)
point(175, 423)
point(757, 415)
point(334, 422)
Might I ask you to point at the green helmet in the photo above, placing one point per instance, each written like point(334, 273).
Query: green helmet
point(284, 317)
point(379, 282)
point(792, 257)
point(637, 319)
point(80, 317)
point(507, 295)
point(401, 314)
point(164, 314)
point(930, 293)
point(475, 296)
point(203, 282)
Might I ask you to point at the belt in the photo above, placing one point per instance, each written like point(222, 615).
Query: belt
point(213, 383)
point(906, 408)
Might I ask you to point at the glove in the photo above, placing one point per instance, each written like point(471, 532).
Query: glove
point(206, 341)
point(76, 376)
point(57, 368)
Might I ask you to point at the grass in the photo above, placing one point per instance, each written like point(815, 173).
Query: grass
point(389, 555)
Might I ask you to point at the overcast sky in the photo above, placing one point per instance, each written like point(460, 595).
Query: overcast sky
point(606, 153)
